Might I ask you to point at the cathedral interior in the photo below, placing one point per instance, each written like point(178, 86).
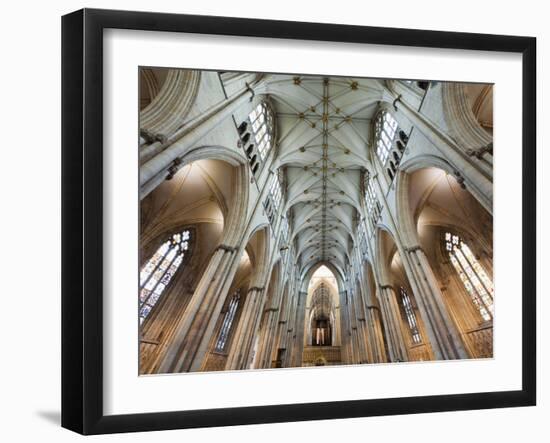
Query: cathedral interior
point(297, 220)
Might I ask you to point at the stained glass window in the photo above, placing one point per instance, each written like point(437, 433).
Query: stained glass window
point(228, 321)
point(385, 129)
point(262, 124)
point(471, 273)
point(411, 316)
point(156, 274)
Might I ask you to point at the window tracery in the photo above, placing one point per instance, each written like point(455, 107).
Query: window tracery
point(257, 134)
point(159, 270)
point(228, 319)
point(472, 275)
point(385, 128)
point(410, 315)
point(373, 205)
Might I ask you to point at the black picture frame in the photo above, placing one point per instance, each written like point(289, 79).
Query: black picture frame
point(82, 220)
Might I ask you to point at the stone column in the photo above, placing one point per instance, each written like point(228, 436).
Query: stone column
point(242, 341)
point(268, 337)
point(297, 331)
point(288, 331)
point(376, 335)
point(444, 337)
point(392, 320)
point(357, 331)
point(282, 337)
point(194, 331)
point(347, 348)
point(361, 332)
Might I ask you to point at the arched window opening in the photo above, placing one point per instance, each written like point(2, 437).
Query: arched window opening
point(256, 134)
point(157, 273)
point(385, 130)
point(474, 278)
point(411, 316)
point(228, 318)
point(262, 127)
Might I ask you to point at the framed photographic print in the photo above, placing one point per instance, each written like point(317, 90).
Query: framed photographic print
point(273, 221)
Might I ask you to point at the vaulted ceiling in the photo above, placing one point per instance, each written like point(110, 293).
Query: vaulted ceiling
point(323, 132)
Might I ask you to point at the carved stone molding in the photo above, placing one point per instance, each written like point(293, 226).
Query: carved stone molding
point(151, 137)
point(480, 152)
point(174, 168)
point(462, 122)
point(397, 99)
point(226, 248)
point(170, 107)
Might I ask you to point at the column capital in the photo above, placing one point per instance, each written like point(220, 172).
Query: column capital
point(152, 137)
point(387, 287)
point(480, 152)
point(413, 248)
point(226, 248)
point(256, 288)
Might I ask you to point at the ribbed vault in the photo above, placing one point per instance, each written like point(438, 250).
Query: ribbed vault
point(324, 126)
